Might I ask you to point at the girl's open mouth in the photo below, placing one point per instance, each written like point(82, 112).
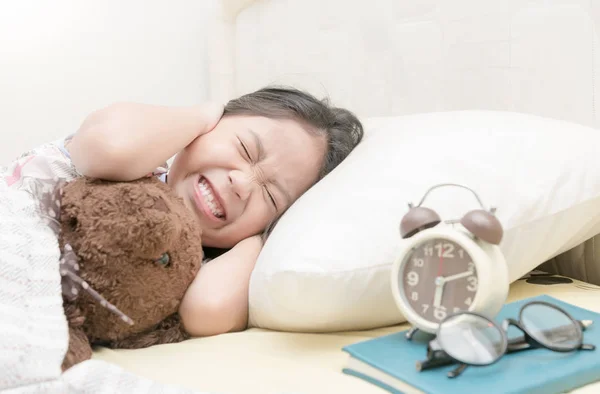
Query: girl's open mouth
point(208, 200)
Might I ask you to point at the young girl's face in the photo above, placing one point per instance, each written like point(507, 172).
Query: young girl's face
point(239, 177)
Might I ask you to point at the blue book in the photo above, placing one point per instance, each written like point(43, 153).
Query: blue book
point(390, 362)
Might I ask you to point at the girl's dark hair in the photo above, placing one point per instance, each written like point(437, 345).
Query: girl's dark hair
point(341, 128)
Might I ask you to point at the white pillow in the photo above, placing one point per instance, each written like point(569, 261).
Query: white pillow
point(326, 266)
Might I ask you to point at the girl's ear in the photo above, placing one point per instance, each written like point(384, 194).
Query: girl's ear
point(169, 330)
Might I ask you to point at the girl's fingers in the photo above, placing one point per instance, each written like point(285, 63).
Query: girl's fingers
point(212, 113)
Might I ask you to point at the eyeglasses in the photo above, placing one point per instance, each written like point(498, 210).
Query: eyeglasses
point(472, 339)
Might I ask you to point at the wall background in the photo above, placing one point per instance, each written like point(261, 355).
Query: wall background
point(61, 59)
point(395, 57)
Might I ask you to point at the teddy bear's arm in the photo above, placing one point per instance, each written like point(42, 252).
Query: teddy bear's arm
point(79, 348)
point(169, 330)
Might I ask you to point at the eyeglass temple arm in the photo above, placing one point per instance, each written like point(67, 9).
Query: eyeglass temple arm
point(435, 362)
point(457, 371)
point(436, 357)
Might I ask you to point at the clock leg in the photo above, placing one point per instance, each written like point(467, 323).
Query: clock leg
point(411, 332)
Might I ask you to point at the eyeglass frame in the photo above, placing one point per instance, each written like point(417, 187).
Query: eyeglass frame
point(438, 357)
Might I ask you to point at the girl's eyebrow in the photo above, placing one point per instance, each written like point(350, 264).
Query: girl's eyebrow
point(261, 155)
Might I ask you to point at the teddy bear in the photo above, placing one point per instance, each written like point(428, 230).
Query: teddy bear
point(130, 250)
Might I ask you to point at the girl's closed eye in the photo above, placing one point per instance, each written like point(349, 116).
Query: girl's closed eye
point(245, 150)
point(246, 153)
point(271, 198)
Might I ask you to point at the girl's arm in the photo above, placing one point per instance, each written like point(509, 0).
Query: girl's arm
point(217, 300)
point(126, 141)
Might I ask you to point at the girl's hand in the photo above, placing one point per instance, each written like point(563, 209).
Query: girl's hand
point(126, 141)
point(217, 300)
point(254, 244)
point(210, 114)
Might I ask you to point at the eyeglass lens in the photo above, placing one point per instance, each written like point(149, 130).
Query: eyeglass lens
point(471, 339)
point(551, 327)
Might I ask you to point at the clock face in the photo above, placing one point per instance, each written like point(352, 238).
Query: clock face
point(439, 278)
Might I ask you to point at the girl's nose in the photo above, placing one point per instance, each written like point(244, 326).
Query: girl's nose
point(241, 184)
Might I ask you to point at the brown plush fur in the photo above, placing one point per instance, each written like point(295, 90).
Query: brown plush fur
point(118, 231)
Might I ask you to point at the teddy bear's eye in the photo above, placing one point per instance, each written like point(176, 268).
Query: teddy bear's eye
point(164, 260)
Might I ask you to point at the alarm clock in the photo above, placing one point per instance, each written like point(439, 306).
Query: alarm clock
point(445, 267)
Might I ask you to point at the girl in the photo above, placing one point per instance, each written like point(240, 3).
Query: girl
point(237, 168)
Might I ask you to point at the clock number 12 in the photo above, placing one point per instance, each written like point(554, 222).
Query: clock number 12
point(445, 250)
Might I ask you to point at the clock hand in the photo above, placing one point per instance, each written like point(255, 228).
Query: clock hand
point(439, 291)
point(440, 281)
point(439, 284)
point(458, 276)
